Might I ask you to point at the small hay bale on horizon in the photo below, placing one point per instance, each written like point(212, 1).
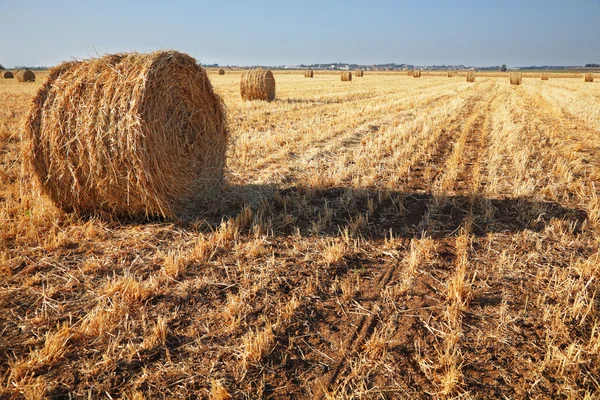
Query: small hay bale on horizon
point(359, 73)
point(257, 84)
point(545, 76)
point(417, 73)
point(8, 75)
point(589, 77)
point(25, 76)
point(309, 73)
point(152, 155)
point(410, 73)
point(221, 71)
point(471, 76)
point(516, 78)
point(346, 76)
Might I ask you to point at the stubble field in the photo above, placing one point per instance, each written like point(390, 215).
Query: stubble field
point(388, 237)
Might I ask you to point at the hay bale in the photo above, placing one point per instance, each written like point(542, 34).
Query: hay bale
point(7, 75)
point(25, 76)
point(545, 76)
point(417, 73)
point(221, 71)
point(309, 73)
point(471, 76)
point(258, 84)
point(359, 73)
point(589, 77)
point(128, 134)
point(410, 73)
point(516, 78)
point(346, 76)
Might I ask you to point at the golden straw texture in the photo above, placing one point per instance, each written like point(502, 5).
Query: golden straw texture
point(129, 134)
point(257, 84)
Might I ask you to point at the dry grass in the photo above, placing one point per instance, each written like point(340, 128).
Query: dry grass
point(147, 156)
point(257, 84)
point(516, 78)
point(392, 238)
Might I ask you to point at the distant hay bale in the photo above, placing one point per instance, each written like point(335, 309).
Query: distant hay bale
point(410, 73)
point(346, 76)
point(25, 76)
point(133, 135)
point(221, 71)
point(471, 76)
point(359, 73)
point(417, 73)
point(257, 84)
point(545, 76)
point(516, 78)
point(589, 77)
point(8, 75)
point(309, 73)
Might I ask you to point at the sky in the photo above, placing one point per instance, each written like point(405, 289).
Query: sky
point(261, 32)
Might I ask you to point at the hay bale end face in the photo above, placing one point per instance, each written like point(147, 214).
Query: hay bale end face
point(516, 78)
point(25, 76)
point(7, 75)
point(221, 71)
point(309, 74)
point(346, 76)
point(257, 84)
point(589, 77)
point(150, 135)
point(545, 76)
point(471, 76)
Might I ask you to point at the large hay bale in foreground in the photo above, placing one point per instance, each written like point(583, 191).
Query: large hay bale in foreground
point(221, 71)
point(129, 134)
point(25, 76)
point(516, 78)
point(346, 76)
point(309, 73)
point(471, 76)
point(8, 75)
point(589, 77)
point(359, 73)
point(417, 73)
point(545, 76)
point(257, 84)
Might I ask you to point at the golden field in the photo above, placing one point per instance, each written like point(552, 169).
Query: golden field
point(388, 237)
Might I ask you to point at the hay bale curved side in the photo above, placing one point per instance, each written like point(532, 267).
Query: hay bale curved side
point(589, 77)
point(516, 78)
point(359, 73)
point(545, 76)
point(346, 76)
point(221, 71)
point(257, 84)
point(25, 76)
point(417, 73)
point(471, 76)
point(309, 73)
point(129, 134)
point(8, 75)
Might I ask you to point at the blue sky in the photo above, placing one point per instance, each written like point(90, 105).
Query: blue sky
point(478, 32)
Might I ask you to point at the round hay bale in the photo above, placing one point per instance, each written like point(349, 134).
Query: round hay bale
point(417, 73)
point(257, 84)
point(346, 76)
point(589, 77)
point(309, 73)
point(7, 75)
point(25, 76)
point(471, 76)
point(410, 73)
point(133, 135)
point(545, 76)
point(359, 73)
point(516, 78)
point(221, 71)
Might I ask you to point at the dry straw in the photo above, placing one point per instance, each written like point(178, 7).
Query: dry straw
point(410, 73)
point(359, 73)
point(417, 73)
point(516, 78)
point(25, 76)
point(346, 76)
point(471, 76)
point(8, 75)
point(309, 74)
point(451, 74)
point(221, 71)
point(257, 84)
point(589, 77)
point(545, 76)
point(128, 134)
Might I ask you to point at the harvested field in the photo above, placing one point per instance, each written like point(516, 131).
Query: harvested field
point(392, 238)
